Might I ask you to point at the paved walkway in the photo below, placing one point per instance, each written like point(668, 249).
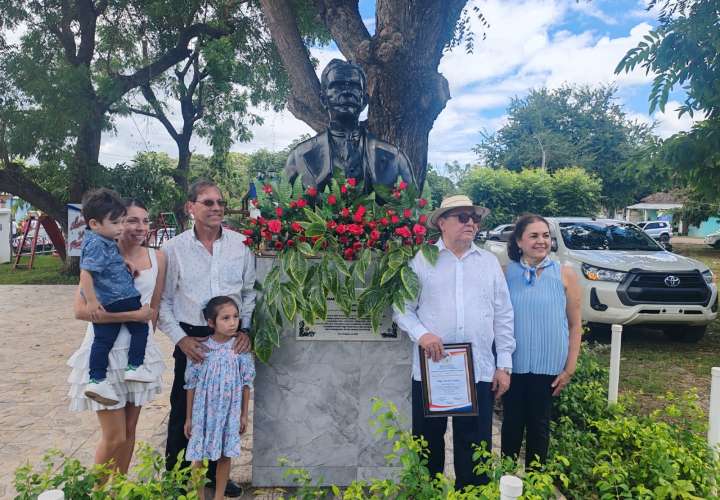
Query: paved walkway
point(38, 335)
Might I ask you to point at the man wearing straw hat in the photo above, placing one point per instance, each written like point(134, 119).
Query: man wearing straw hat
point(463, 298)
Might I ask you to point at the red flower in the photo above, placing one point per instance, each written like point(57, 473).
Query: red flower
point(355, 229)
point(303, 239)
point(253, 222)
point(422, 219)
point(419, 240)
point(403, 231)
point(407, 242)
point(293, 204)
point(419, 230)
point(248, 241)
point(296, 227)
point(396, 195)
point(407, 213)
point(394, 219)
point(267, 188)
point(290, 243)
point(402, 185)
point(248, 232)
point(374, 234)
point(349, 253)
point(255, 202)
point(266, 234)
point(343, 240)
point(345, 212)
point(278, 211)
point(331, 224)
point(301, 203)
point(357, 246)
point(422, 202)
point(359, 213)
point(352, 181)
point(262, 220)
point(341, 229)
point(372, 224)
point(343, 189)
point(274, 226)
point(278, 245)
point(390, 212)
point(331, 199)
point(311, 191)
point(384, 221)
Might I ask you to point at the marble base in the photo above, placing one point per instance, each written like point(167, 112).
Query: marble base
point(313, 407)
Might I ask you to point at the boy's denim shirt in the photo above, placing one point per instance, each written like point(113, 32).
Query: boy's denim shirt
point(111, 278)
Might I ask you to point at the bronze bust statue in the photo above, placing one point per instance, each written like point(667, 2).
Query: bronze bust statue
point(346, 145)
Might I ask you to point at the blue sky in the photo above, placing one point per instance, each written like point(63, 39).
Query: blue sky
point(530, 44)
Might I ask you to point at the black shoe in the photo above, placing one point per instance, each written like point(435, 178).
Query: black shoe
point(233, 490)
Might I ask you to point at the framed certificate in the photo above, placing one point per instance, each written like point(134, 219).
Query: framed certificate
point(448, 385)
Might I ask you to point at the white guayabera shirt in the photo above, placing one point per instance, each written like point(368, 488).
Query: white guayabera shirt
point(194, 276)
point(462, 300)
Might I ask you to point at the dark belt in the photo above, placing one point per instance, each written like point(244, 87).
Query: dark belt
point(196, 331)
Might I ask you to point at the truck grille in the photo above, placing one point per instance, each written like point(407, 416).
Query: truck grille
point(686, 287)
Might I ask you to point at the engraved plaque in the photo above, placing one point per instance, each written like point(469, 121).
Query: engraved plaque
point(337, 326)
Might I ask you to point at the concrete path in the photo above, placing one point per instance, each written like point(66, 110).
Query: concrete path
point(38, 336)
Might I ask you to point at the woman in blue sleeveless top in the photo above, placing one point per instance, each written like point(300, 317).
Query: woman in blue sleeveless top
point(546, 301)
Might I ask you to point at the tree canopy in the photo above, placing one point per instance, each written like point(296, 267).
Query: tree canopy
point(684, 51)
point(575, 126)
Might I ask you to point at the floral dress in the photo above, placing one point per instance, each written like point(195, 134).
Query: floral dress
point(218, 381)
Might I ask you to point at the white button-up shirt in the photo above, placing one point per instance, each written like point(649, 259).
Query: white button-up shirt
point(194, 276)
point(462, 300)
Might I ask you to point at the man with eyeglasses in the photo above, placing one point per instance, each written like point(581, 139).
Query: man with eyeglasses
point(202, 263)
point(463, 298)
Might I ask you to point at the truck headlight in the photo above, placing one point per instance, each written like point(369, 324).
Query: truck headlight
point(599, 274)
point(709, 277)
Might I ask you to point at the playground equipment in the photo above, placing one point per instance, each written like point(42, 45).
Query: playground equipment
point(33, 226)
point(162, 231)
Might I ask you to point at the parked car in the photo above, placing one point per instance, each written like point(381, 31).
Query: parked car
point(658, 229)
point(713, 239)
point(501, 232)
point(628, 278)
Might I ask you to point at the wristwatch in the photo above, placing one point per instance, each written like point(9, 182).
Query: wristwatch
point(506, 370)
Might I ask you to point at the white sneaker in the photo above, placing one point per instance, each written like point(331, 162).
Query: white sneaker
point(102, 392)
point(140, 374)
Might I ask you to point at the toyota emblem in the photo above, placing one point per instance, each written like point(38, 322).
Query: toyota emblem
point(672, 281)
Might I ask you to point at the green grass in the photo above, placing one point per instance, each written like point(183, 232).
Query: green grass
point(651, 365)
point(47, 270)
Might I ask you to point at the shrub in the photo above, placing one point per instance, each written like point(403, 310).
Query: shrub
point(78, 482)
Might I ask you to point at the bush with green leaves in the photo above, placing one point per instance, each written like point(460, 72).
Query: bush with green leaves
point(147, 480)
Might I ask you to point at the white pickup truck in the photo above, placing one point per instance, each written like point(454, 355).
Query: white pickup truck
point(627, 278)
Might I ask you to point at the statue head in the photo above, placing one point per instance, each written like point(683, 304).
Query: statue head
point(343, 90)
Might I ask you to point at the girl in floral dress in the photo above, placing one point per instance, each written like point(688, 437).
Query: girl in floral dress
point(218, 391)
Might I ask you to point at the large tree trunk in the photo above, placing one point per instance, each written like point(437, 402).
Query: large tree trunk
point(406, 91)
point(180, 176)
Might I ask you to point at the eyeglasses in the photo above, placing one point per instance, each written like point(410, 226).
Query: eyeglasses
point(464, 217)
point(210, 203)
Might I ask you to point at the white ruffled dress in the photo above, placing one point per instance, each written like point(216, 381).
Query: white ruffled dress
point(137, 393)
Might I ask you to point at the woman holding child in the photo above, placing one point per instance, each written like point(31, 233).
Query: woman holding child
point(546, 302)
point(118, 421)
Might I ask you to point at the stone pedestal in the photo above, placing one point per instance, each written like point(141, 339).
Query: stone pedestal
point(312, 406)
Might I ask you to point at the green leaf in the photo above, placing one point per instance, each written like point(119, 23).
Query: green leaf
point(430, 252)
point(313, 217)
point(410, 281)
point(388, 275)
point(305, 248)
point(396, 259)
point(289, 306)
point(361, 265)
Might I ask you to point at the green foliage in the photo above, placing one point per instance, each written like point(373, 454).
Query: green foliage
point(439, 185)
point(683, 52)
point(79, 482)
point(567, 191)
point(574, 126)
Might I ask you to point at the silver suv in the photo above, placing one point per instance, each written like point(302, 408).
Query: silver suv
point(658, 229)
point(627, 278)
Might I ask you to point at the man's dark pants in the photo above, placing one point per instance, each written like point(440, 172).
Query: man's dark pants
point(467, 431)
point(176, 440)
point(527, 406)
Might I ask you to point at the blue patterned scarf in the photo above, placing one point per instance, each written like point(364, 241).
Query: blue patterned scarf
point(530, 272)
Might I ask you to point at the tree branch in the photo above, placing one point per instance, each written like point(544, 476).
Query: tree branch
point(304, 100)
point(160, 115)
point(87, 18)
point(14, 180)
point(144, 75)
point(343, 20)
point(64, 33)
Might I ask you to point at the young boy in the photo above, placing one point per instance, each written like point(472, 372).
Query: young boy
point(106, 282)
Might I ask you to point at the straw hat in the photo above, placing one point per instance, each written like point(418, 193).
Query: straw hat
point(456, 201)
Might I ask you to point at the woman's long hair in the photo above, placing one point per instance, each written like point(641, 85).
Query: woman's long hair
point(513, 250)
